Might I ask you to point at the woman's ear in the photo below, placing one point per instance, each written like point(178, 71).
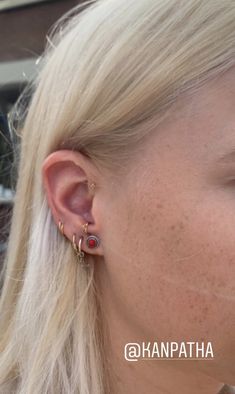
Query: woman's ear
point(68, 177)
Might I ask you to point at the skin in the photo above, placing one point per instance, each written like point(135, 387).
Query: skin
point(166, 262)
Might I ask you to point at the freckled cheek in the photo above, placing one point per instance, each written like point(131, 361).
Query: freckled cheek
point(197, 251)
point(190, 278)
point(183, 314)
point(187, 240)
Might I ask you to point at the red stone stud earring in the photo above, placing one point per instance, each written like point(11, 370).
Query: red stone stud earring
point(92, 241)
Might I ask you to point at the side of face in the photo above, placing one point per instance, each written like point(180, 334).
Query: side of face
point(170, 231)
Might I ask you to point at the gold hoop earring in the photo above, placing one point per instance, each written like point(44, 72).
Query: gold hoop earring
point(61, 228)
point(80, 254)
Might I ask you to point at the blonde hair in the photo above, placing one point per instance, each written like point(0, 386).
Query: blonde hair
point(107, 71)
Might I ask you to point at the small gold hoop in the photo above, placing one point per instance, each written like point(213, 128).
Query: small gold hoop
point(61, 227)
point(80, 246)
point(74, 244)
point(79, 252)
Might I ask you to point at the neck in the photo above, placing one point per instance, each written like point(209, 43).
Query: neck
point(156, 377)
point(151, 376)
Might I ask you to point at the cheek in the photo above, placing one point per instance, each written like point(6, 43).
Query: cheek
point(171, 271)
point(199, 251)
point(191, 271)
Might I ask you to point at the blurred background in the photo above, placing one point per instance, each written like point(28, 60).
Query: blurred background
point(24, 25)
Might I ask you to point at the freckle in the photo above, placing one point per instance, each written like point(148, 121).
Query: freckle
point(159, 206)
point(205, 309)
point(172, 227)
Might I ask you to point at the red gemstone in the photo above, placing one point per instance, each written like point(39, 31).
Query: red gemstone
point(92, 243)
